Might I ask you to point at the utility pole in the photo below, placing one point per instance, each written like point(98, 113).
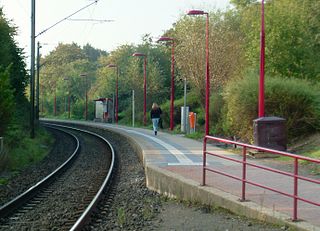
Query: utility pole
point(33, 20)
point(38, 82)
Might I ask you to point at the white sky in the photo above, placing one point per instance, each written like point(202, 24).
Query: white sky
point(132, 19)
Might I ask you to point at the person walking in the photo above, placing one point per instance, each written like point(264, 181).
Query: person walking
point(155, 117)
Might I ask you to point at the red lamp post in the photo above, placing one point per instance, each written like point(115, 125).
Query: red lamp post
point(117, 70)
point(86, 92)
point(67, 79)
point(55, 99)
point(200, 12)
point(262, 62)
point(166, 39)
point(144, 85)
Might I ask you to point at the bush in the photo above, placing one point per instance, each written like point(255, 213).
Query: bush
point(297, 101)
point(6, 101)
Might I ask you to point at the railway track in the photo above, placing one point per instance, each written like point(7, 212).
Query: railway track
point(65, 199)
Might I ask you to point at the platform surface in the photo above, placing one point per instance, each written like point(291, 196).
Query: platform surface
point(181, 157)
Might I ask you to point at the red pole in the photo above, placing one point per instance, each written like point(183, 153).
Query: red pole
point(69, 104)
point(145, 92)
point(144, 86)
point(262, 62)
point(295, 190)
point(172, 88)
point(200, 12)
point(207, 76)
point(55, 103)
point(117, 95)
point(204, 155)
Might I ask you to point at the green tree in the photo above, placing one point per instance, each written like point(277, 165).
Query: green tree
point(6, 101)
point(242, 3)
point(92, 53)
point(292, 37)
point(13, 79)
point(66, 70)
point(11, 55)
point(226, 54)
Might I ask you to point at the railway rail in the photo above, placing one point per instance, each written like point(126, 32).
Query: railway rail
point(64, 199)
point(128, 204)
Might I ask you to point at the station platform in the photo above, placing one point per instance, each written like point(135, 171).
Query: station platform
point(173, 167)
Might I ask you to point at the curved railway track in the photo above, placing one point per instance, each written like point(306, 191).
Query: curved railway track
point(65, 199)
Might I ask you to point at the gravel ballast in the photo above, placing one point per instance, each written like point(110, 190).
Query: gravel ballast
point(132, 206)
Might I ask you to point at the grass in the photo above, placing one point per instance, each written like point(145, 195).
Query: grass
point(3, 181)
point(307, 146)
point(29, 151)
point(196, 135)
point(121, 216)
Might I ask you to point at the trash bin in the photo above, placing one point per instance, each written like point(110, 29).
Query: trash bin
point(192, 122)
point(270, 132)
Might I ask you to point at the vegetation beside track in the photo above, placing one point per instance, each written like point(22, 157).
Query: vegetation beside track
point(24, 152)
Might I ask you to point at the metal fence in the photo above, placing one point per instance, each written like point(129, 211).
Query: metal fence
point(294, 191)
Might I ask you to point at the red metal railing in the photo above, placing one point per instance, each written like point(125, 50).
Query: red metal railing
point(295, 175)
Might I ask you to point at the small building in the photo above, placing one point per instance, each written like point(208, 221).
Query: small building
point(104, 110)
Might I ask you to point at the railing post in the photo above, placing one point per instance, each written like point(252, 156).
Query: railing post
point(204, 162)
point(244, 173)
point(295, 190)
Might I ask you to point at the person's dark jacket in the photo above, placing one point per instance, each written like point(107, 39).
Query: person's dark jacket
point(155, 113)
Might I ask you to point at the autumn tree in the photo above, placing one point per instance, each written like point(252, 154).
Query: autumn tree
point(226, 54)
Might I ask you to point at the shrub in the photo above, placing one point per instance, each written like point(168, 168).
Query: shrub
point(297, 101)
point(6, 101)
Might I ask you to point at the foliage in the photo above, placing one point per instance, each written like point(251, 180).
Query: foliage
point(292, 51)
point(92, 53)
point(68, 72)
point(292, 37)
point(13, 77)
point(225, 54)
point(11, 55)
point(242, 3)
point(6, 101)
point(297, 101)
point(27, 150)
point(131, 77)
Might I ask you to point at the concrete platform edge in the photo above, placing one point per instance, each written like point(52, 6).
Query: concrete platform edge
point(175, 186)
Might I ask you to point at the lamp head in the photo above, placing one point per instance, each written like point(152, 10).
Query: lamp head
point(196, 12)
point(165, 39)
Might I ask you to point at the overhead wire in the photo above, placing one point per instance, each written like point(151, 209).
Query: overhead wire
point(95, 1)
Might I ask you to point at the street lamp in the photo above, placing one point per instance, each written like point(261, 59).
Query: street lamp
point(262, 62)
point(38, 82)
point(55, 99)
point(144, 85)
point(166, 39)
point(200, 12)
point(86, 109)
point(117, 102)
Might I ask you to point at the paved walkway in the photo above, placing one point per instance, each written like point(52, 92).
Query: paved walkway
point(182, 158)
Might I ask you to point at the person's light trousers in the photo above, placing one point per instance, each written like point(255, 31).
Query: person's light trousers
point(155, 123)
